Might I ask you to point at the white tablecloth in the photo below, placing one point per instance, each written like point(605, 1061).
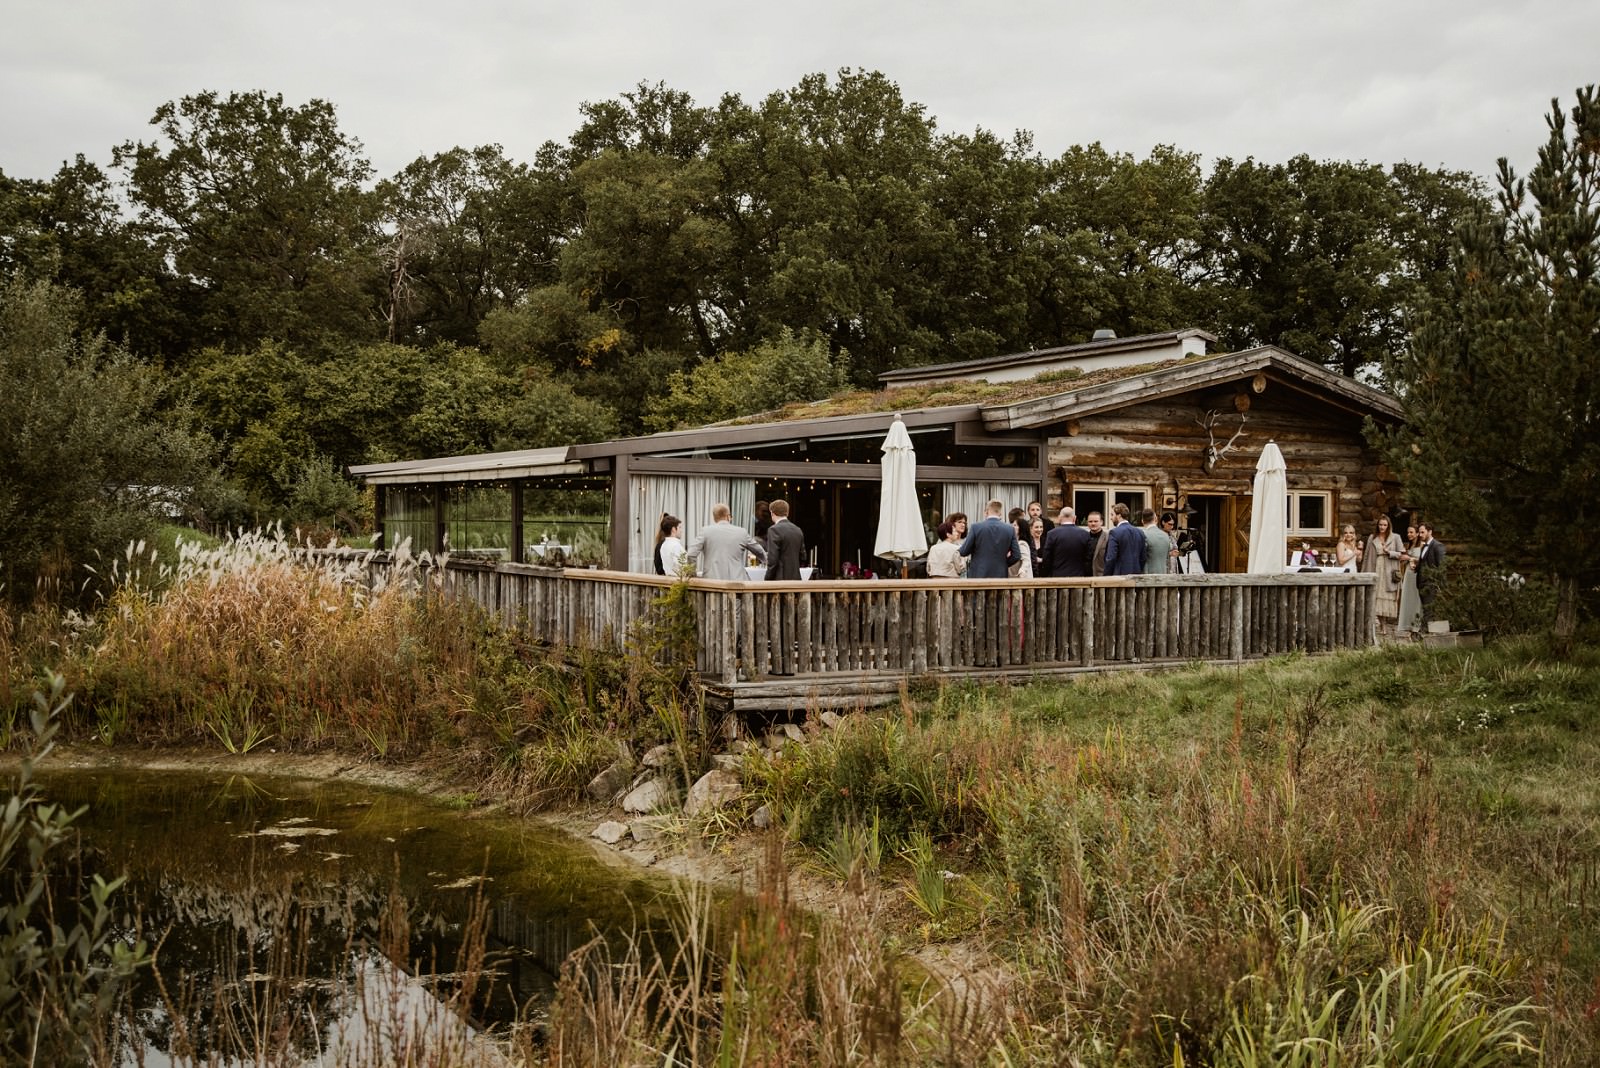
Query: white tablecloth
point(758, 573)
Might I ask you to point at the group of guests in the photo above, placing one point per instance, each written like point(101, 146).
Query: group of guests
point(1031, 546)
point(719, 551)
point(1027, 545)
point(1408, 572)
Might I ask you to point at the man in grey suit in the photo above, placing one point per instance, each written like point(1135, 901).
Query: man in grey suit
point(991, 544)
point(786, 545)
point(718, 551)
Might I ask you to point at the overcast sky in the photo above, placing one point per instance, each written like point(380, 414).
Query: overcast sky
point(1453, 84)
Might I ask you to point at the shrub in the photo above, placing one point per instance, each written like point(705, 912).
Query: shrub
point(776, 372)
point(89, 458)
point(1477, 597)
point(61, 977)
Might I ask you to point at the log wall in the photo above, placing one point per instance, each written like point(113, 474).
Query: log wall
point(1160, 445)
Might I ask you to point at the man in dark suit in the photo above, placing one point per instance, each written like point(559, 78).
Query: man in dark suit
point(1430, 568)
point(1068, 549)
point(1036, 511)
point(786, 545)
point(1125, 545)
point(1099, 537)
point(991, 545)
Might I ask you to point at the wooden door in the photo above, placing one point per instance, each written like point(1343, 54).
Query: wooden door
point(1217, 518)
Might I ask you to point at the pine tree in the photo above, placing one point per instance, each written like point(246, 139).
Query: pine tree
point(1501, 384)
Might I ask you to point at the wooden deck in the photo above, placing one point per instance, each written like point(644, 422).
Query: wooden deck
point(786, 645)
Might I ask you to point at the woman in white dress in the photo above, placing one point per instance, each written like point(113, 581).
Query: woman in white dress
point(1023, 566)
point(1410, 618)
point(1347, 551)
point(669, 545)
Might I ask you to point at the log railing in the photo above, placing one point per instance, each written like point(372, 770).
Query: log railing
point(752, 630)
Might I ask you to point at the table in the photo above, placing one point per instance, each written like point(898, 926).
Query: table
point(759, 572)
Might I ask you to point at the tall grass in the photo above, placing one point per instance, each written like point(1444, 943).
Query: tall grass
point(257, 641)
point(254, 638)
point(263, 1004)
point(769, 986)
point(1308, 862)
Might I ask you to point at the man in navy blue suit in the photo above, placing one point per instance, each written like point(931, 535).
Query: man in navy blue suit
point(1125, 545)
point(992, 545)
point(1068, 549)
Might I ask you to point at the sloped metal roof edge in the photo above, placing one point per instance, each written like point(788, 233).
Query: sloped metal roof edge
point(780, 430)
point(555, 460)
point(1180, 378)
point(1086, 348)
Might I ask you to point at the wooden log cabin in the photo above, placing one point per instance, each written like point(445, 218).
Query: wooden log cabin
point(1151, 421)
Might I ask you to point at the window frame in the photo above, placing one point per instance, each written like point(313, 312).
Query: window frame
point(1111, 490)
point(1291, 506)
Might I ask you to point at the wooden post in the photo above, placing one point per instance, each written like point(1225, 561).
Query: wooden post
point(803, 635)
point(1237, 650)
point(1087, 622)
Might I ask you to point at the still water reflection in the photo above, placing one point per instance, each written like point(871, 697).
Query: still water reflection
point(282, 893)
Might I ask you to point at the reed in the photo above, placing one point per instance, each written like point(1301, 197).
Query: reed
point(768, 985)
point(259, 640)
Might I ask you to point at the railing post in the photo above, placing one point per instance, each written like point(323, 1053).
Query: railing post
point(804, 645)
point(1237, 650)
point(1089, 598)
point(744, 614)
point(1370, 617)
point(919, 632)
point(730, 638)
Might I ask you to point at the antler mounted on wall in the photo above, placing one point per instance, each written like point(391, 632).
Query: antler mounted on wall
point(1213, 455)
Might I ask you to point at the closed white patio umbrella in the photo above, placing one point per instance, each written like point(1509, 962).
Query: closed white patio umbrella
point(1269, 531)
point(900, 532)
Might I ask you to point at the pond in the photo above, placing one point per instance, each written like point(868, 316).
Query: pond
point(271, 900)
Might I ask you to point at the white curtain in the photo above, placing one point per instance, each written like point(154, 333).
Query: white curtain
point(973, 498)
point(690, 499)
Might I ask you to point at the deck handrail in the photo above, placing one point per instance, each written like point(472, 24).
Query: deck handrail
point(755, 630)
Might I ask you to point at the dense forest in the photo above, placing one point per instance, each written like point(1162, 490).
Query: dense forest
point(669, 263)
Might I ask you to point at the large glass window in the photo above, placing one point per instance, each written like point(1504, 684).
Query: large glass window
point(572, 515)
point(408, 516)
point(477, 520)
